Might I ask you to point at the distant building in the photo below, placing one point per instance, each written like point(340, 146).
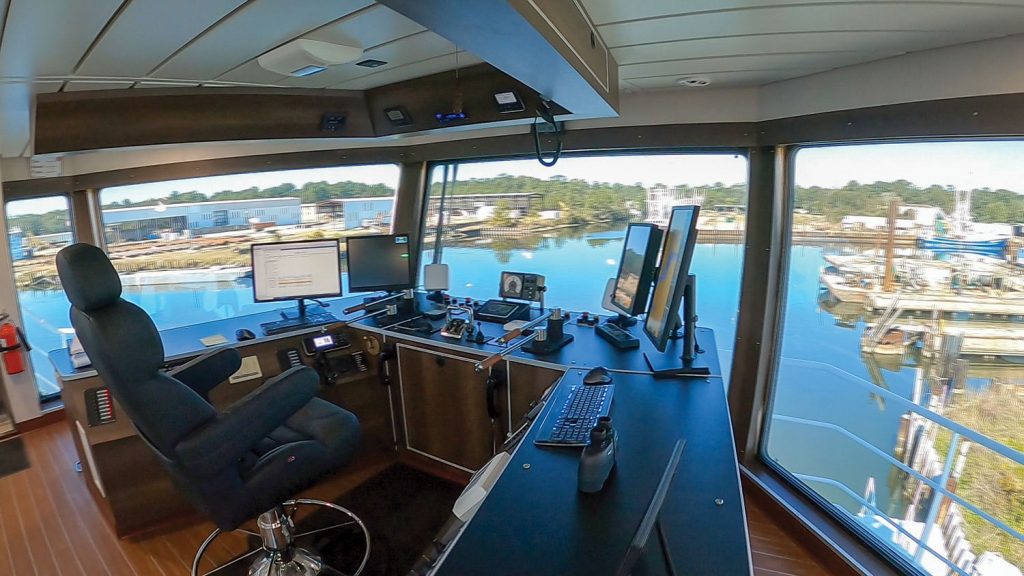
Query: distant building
point(308, 214)
point(16, 238)
point(143, 222)
point(357, 212)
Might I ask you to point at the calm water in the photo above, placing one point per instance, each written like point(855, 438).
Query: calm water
point(577, 265)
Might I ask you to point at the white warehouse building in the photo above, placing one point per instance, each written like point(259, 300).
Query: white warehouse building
point(140, 223)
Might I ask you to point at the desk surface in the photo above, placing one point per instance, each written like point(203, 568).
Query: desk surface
point(562, 531)
point(588, 349)
point(534, 521)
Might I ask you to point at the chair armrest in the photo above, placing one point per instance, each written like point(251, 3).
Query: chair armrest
point(203, 373)
point(236, 431)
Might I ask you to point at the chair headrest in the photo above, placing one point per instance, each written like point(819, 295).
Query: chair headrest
point(88, 277)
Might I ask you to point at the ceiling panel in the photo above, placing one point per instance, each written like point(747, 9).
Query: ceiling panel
point(606, 11)
point(743, 63)
point(409, 71)
point(407, 50)
point(371, 27)
point(991, 21)
point(721, 79)
point(252, 72)
point(48, 37)
point(148, 31)
point(77, 86)
point(258, 27)
point(158, 84)
point(886, 42)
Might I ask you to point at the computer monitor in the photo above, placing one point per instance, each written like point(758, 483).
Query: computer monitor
point(297, 270)
point(673, 276)
point(379, 263)
point(636, 269)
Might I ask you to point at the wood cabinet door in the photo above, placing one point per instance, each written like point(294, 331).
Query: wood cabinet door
point(444, 407)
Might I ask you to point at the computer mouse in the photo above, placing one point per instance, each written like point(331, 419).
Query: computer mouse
point(597, 375)
point(244, 334)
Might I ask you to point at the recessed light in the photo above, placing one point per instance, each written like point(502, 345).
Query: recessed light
point(371, 63)
point(694, 81)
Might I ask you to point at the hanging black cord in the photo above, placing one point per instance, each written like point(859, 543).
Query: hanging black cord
point(546, 114)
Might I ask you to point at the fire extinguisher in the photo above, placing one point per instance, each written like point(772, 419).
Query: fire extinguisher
point(12, 343)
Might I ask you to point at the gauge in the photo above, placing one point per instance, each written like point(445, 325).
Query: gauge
point(511, 285)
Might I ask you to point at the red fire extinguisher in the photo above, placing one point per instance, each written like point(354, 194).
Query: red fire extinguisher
point(12, 344)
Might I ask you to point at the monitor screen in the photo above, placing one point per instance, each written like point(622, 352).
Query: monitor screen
point(636, 269)
point(673, 270)
point(292, 270)
point(379, 263)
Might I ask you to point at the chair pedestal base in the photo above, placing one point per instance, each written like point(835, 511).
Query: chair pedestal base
point(302, 563)
point(277, 553)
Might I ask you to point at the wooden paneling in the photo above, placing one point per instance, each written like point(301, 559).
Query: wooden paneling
point(526, 384)
point(50, 502)
point(444, 407)
point(111, 119)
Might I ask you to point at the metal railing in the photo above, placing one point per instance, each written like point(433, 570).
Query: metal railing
point(959, 433)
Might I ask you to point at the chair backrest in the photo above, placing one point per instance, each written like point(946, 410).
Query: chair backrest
point(126, 351)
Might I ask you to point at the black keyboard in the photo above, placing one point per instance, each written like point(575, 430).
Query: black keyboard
point(291, 324)
point(617, 336)
point(572, 425)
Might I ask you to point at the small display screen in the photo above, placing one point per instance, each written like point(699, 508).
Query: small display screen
point(379, 263)
point(506, 98)
point(323, 341)
point(500, 308)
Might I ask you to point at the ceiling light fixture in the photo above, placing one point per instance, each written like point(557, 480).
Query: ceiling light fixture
point(305, 57)
point(371, 63)
point(694, 81)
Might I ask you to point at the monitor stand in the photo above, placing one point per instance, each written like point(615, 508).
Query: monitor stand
point(302, 310)
point(622, 321)
point(690, 363)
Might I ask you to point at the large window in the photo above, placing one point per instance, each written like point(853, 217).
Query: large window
point(568, 224)
point(182, 247)
point(36, 229)
point(899, 393)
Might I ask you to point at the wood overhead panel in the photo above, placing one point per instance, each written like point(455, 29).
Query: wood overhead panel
point(549, 46)
point(424, 97)
point(112, 119)
point(90, 120)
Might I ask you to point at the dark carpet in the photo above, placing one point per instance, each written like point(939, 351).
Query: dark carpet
point(403, 509)
point(13, 457)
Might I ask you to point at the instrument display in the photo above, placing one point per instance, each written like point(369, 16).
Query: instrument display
point(520, 286)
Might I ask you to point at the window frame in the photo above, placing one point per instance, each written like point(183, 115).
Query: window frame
point(845, 537)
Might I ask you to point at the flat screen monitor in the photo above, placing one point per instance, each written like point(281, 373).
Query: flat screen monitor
point(673, 273)
point(295, 270)
point(379, 263)
point(636, 269)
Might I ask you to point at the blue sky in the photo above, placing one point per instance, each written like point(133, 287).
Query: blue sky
point(993, 164)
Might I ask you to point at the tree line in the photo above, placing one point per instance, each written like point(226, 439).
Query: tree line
point(587, 201)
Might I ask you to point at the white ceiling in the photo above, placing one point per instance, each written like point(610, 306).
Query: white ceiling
point(73, 45)
point(756, 42)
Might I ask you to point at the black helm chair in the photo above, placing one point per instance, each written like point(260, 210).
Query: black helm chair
point(233, 464)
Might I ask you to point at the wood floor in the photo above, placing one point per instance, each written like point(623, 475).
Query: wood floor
point(49, 524)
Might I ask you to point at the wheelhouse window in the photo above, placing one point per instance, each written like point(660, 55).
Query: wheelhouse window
point(898, 398)
point(568, 224)
point(182, 246)
point(36, 229)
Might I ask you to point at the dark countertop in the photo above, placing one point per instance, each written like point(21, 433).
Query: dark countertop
point(561, 531)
